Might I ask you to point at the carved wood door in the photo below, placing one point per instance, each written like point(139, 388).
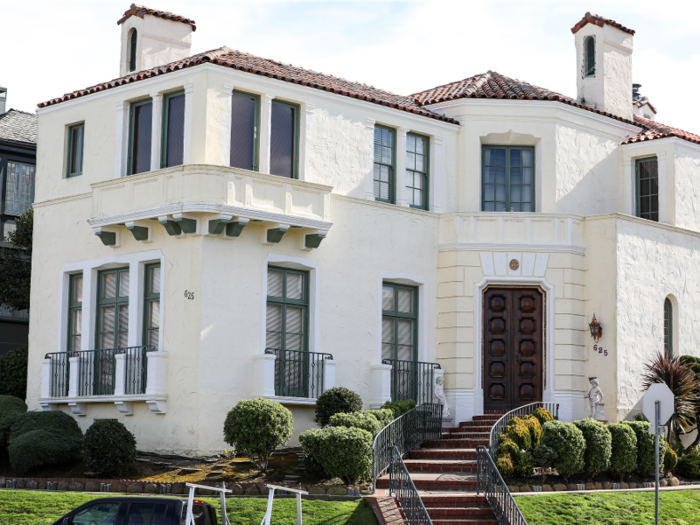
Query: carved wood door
point(513, 347)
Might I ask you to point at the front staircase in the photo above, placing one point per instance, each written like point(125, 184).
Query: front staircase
point(444, 473)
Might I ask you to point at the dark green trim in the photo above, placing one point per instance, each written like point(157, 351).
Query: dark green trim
point(79, 149)
point(668, 327)
point(313, 240)
point(234, 229)
point(187, 225)
point(164, 126)
point(285, 301)
point(132, 50)
point(140, 233)
point(275, 235)
point(297, 132)
point(426, 173)
point(256, 152)
point(74, 306)
point(132, 107)
point(172, 227)
point(396, 315)
point(637, 189)
point(588, 57)
point(392, 178)
point(116, 301)
point(107, 238)
point(149, 298)
point(217, 226)
point(483, 176)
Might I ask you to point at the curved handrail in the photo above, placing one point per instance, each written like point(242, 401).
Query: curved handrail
point(490, 482)
point(524, 410)
point(402, 487)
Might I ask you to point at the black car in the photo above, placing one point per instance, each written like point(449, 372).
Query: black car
point(138, 511)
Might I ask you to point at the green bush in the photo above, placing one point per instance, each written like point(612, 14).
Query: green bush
point(108, 447)
point(533, 425)
point(507, 447)
point(598, 446)
point(670, 460)
point(43, 438)
point(543, 415)
point(524, 464)
point(689, 466)
point(544, 456)
point(399, 407)
point(311, 441)
point(383, 415)
point(256, 427)
point(691, 362)
point(505, 467)
point(569, 444)
point(346, 453)
point(623, 457)
point(13, 373)
point(519, 433)
point(646, 462)
point(357, 420)
point(10, 408)
point(338, 400)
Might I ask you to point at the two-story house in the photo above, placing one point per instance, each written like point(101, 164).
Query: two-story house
point(219, 226)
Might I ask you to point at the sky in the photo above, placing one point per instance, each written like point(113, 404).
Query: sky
point(51, 48)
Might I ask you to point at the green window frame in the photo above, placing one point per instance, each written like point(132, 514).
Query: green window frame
point(508, 178)
point(132, 50)
point(19, 187)
point(647, 188)
point(165, 145)
point(399, 322)
point(589, 57)
point(75, 312)
point(276, 164)
point(112, 320)
point(151, 305)
point(668, 328)
point(134, 136)
point(418, 170)
point(287, 319)
point(234, 158)
point(384, 164)
point(76, 136)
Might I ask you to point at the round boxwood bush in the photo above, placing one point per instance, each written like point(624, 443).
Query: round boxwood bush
point(533, 425)
point(311, 441)
point(518, 431)
point(544, 456)
point(623, 455)
point(10, 408)
point(399, 408)
point(346, 453)
point(357, 420)
point(506, 447)
point(337, 400)
point(13, 373)
point(598, 446)
point(670, 460)
point(383, 415)
point(108, 447)
point(543, 415)
point(688, 466)
point(569, 444)
point(524, 464)
point(256, 427)
point(646, 462)
point(505, 466)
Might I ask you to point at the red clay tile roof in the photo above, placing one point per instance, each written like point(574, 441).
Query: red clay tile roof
point(495, 85)
point(139, 10)
point(598, 20)
point(642, 101)
point(656, 130)
point(269, 68)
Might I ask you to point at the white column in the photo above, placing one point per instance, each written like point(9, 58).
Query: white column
point(119, 374)
point(187, 141)
point(435, 203)
point(136, 290)
point(225, 96)
point(328, 374)
point(157, 381)
point(307, 145)
point(264, 375)
point(628, 180)
point(380, 376)
point(666, 190)
point(156, 129)
point(369, 130)
point(74, 378)
point(46, 378)
point(120, 153)
point(265, 131)
point(401, 166)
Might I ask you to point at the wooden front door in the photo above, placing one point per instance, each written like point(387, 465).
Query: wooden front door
point(513, 347)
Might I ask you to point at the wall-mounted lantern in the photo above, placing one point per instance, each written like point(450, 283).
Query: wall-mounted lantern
point(596, 329)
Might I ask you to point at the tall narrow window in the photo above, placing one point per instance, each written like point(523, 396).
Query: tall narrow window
point(132, 51)
point(284, 139)
point(384, 163)
point(75, 312)
point(668, 328)
point(113, 309)
point(140, 126)
point(589, 57)
point(19, 190)
point(417, 180)
point(647, 175)
point(508, 179)
point(173, 136)
point(399, 322)
point(245, 115)
point(287, 309)
point(76, 135)
point(151, 311)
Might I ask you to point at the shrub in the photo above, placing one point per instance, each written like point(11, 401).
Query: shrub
point(569, 444)
point(623, 457)
point(383, 415)
point(346, 453)
point(256, 427)
point(13, 373)
point(598, 446)
point(505, 466)
point(670, 460)
point(533, 425)
point(357, 420)
point(336, 401)
point(519, 433)
point(544, 456)
point(400, 407)
point(543, 415)
point(507, 447)
point(311, 441)
point(10, 408)
point(646, 462)
point(108, 447)
point(524, 464)
point(689, 466)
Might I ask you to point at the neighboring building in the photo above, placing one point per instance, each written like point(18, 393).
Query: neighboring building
point(17, 170)
point(251, 228)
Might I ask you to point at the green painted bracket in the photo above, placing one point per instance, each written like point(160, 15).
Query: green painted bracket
point(234, 229)
point(313, 240)
point(140, 233)
point(275, 234)
point(107, 238)
point(172, 227)
point(216, 226)
point(187, 225)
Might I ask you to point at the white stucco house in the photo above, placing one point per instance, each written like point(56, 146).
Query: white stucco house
point(219, 226)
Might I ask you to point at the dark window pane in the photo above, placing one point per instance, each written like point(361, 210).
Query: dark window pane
point(146, 514)
point(243, 108)
point(282, 141)
point(132, 54)
point(141, 141)
point(76, 153)
point(176, 130)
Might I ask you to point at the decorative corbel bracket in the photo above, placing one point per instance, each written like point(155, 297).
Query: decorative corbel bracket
point(172, 227)
point(157, 406)
point(125, 407)
point(186, 224)
point(310, 241)
point(235, 227)
point(141, 230)
point(108, 236)
point(79, 409)
point(218, 225)
point(274, 233)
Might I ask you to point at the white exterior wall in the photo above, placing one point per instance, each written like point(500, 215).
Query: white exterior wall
point(158, 41)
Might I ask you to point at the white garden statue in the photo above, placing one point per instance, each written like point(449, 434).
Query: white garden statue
point(595, 399)
point(440, 396)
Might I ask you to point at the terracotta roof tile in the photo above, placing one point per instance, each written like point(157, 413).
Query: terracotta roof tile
point(18, 126)
point(139, 10)
point(600, 21)
point(656, 130)
point(640, 102)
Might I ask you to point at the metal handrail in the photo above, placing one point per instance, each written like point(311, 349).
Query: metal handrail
point(412, 380)
point(402, 487)
point(299, 373)
point(406, 432)
point(491, 484)
point(520, 412)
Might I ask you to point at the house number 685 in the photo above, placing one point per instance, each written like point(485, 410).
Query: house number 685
point(189, 295)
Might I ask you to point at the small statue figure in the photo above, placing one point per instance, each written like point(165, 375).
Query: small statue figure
point(440, 396)
point(594, 396)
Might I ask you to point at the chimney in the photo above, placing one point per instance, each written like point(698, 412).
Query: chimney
point(3, 99)
point(604, 65)
point(152, 38)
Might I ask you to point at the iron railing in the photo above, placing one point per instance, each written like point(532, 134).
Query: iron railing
point(135, 368)
point(402, 487)
point(412, 380)
point(491, 484)
point(405, 433)
point(520, 412)
point(299, 373)
point(59, 373)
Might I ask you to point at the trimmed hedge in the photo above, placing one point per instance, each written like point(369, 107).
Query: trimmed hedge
point(108, 447)
point(311, 441)
point(337, 400)
point(346, 453)
point(399, 408)
point(670, 460)
point(505, 467)
point(689, 466)
point(357, 420)
point(10, 408)
point(524, 464)
point(518, 431)
point(646, 462)
point(533, 425)
point(13, 373)
point(543, 415)
point(623, 457)
point(507, 447)
point(383, 415)
point(544, 456)
point(569, 444)
point(598, 446)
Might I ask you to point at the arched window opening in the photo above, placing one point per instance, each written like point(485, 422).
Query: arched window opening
point(668, 328)
point(132, 51)
point(589, 58)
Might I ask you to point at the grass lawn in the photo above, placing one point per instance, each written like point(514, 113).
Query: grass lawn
point(23, 507)
point(624, 508)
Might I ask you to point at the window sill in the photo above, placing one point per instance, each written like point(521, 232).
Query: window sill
point(288, 400)
point(125, 403)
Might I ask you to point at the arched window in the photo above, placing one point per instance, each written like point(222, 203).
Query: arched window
point(132, 51)
point(668, 328)
point(589, 57)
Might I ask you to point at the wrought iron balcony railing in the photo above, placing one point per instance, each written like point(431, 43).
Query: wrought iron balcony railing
point(412, 380)
point(299, 373)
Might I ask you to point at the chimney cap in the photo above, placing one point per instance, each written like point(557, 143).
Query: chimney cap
point(140, 11)
point(600, 21)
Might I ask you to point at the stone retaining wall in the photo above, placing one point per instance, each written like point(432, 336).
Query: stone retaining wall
point(573, 487)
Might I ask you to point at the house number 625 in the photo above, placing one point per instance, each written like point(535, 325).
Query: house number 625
point(600, 350)
point(189, 295)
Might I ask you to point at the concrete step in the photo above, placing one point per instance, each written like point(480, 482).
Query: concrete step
point(461, 454)
point(457, 443)
point(438, 465)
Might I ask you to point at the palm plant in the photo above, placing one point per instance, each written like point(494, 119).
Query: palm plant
point(685, 386)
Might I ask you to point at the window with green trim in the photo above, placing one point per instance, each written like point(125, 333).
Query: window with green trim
point(76, 136)
point(75, 312)
point(508, 182)
point(384, 164)
point(140, 127)
point(647, 191)
point(151, 307)
point(172, 145)
point(287, 316)
point(245, 139)
point(113, 309)
point(399, 322)
point(668, 328)
point(417, 179)
point(589, 57)
point(19, 187)
point(284, 139)
point(132, 50)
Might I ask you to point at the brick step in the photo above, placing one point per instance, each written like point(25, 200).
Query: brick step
point(459, 512)
point(461, 454)
point(456, 443)
point(432, 465)
point(467, 434)
point(473, 426)
point(436, 481)
point(453, 500)
point(488, 417)
point(476, 520)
